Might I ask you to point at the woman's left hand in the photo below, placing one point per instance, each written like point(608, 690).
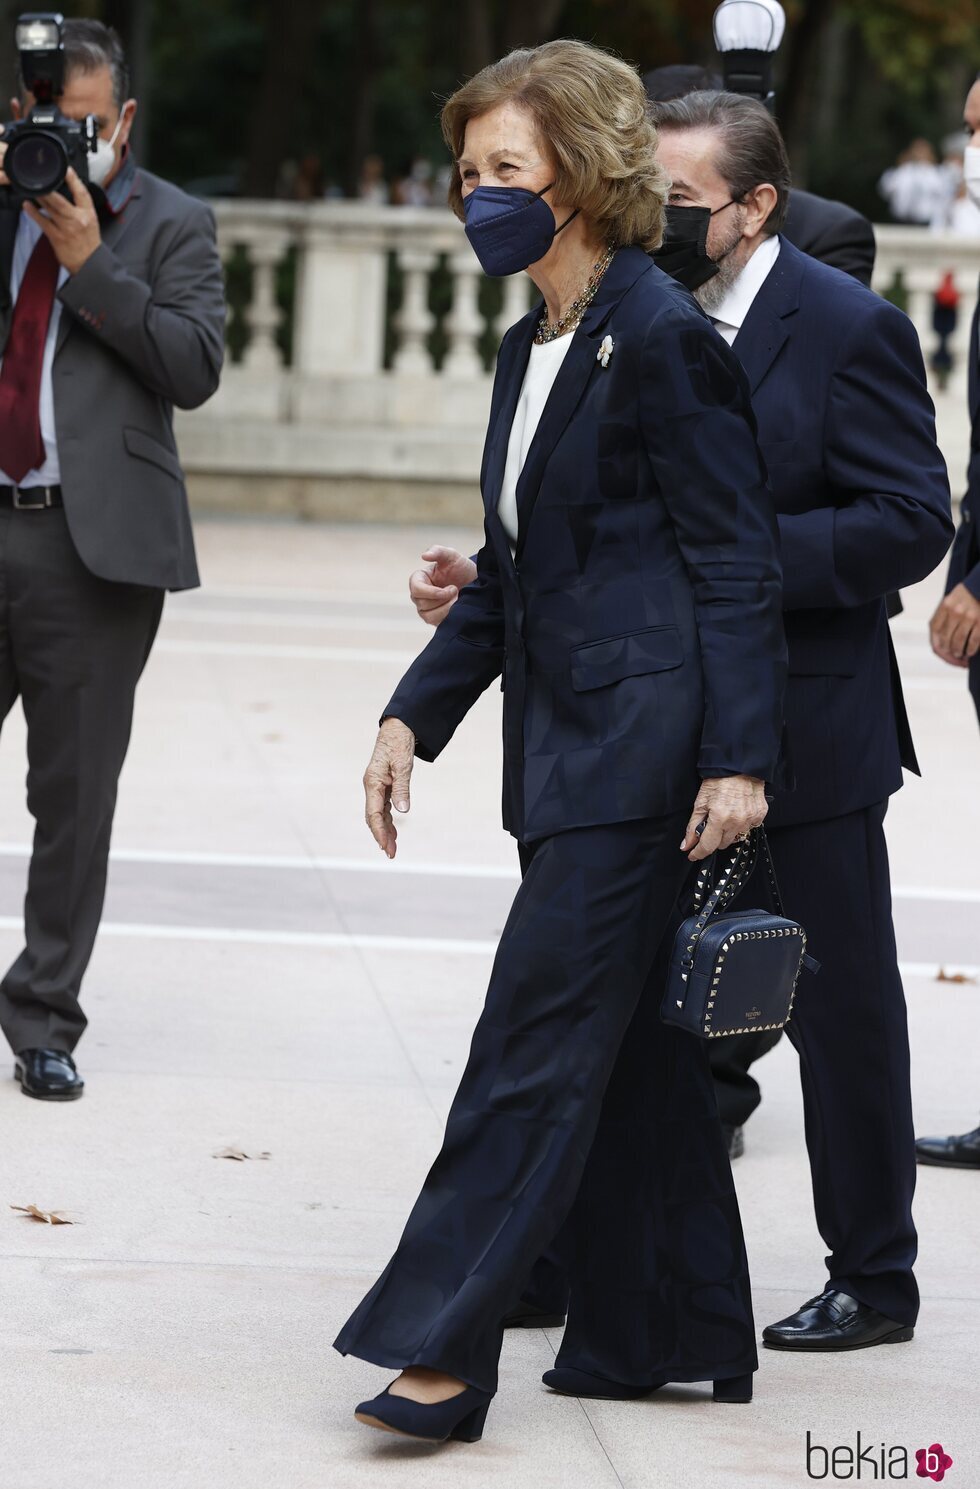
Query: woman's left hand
point(729, 806)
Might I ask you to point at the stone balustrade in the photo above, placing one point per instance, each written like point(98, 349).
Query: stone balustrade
point(379, 409)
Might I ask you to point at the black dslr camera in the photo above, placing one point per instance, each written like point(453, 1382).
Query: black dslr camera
point(41, 147)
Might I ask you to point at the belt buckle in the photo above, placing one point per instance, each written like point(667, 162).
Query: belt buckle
point(31, 506)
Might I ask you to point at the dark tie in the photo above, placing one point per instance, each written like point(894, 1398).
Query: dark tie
point(21, 445)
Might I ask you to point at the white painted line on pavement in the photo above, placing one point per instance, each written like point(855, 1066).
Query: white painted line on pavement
point(232, 934)
point(440, 869)
point(293, 621)
point(283, 592)
point(294, 653)
point(293, 861)
point(138, 931)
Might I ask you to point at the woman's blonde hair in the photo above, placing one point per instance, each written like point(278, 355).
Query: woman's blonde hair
point(591, 113)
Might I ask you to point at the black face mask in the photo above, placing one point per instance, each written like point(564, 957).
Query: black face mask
point(683, 254)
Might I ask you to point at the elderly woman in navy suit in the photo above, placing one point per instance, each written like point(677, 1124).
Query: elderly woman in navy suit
point(629, 593)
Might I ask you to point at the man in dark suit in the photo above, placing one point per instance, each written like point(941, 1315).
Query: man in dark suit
point(830, 231)
point(955, 627)
point(111, 312)
point(847, 430)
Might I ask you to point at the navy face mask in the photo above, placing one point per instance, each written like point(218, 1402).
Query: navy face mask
point(509, 227)
point(683, 254)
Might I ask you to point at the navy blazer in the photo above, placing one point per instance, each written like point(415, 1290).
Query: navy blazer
point(847, 429)
point(638, 626)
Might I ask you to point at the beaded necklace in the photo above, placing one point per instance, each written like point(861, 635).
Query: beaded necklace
point(549, 330)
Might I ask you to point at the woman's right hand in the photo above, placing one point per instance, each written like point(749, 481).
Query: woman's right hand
point(387, 779)
point(435, 588)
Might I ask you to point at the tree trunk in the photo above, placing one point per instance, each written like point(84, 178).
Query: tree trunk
point(290, 33)
point(793, 97)
point(365, 72)
point(476, 45)
point(527, 23)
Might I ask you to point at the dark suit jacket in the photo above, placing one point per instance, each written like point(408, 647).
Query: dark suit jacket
point(847, 429)
point(964, 563)
point(142, 329)
point(832, 233)
point(639, 631)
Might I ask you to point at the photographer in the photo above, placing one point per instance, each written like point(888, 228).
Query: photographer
point(111, 312)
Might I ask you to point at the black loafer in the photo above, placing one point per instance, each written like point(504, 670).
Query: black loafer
point(950, 1152)
point(48, 1075)
point(835, 1321)
point(525, 1315)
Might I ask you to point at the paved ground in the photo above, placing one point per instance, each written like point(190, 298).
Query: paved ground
point(266, 979)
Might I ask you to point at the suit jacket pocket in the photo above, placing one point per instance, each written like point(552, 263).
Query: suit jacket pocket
point(145, 447)
point(654, 649)
point(821, 656)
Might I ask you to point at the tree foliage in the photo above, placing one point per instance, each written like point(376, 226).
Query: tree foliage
point(231, 88)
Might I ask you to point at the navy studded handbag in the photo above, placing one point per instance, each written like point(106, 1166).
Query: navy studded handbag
point(735, 972)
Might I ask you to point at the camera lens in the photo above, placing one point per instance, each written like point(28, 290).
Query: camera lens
point(36, 162)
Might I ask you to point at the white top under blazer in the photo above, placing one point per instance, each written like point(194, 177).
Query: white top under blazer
point(539, 379)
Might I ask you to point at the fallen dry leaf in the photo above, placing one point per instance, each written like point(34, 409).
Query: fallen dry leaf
point(47, 1217)
point(238, 1155)
point(945, 976)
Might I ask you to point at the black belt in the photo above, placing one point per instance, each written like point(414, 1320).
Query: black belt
point(30, 498)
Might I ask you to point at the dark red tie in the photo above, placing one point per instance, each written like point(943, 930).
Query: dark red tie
point(21, 445)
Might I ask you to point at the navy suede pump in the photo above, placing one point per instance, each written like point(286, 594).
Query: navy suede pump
point(461, 1418)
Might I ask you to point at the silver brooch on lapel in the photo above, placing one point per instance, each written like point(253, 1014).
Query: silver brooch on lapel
point(605, 351)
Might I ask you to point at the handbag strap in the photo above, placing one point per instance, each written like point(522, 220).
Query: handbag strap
point(731, 880)
point(760, 844)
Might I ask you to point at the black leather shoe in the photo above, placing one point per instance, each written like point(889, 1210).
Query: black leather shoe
point(525, 1315)
point(835, 1321)
point(950, 1152)
point(735, 1138)
point(50, 1075)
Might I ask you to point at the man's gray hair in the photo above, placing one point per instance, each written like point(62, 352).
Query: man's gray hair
point(752, 150)
point(90, 46)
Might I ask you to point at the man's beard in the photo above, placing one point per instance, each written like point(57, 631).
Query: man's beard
point(730, 265)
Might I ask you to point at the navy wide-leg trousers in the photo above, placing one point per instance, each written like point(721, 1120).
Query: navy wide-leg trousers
point(578, 1111)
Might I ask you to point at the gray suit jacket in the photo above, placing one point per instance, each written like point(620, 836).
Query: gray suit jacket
point(142, 329)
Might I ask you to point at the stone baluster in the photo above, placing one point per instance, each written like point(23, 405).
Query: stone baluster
point(339, 323)
point(262, 354)
point(464, 323)
point(515, 304)
point(415, 320)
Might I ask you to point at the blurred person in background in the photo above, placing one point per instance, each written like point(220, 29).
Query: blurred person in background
point(414, 187)
point(955, 627)
point(372, 185)
point(917, 188)
point(111, 314)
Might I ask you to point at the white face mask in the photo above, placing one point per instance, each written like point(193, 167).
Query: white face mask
point(103, 158)
point(971, 173)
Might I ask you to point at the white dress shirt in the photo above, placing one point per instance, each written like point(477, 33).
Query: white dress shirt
point(731, 312)
point(539, 379)
point(49, 474)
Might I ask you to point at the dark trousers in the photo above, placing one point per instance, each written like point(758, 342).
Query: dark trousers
point(850, 1028)
point(737, 1090)
point(72, 647)
point(578, 1110)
